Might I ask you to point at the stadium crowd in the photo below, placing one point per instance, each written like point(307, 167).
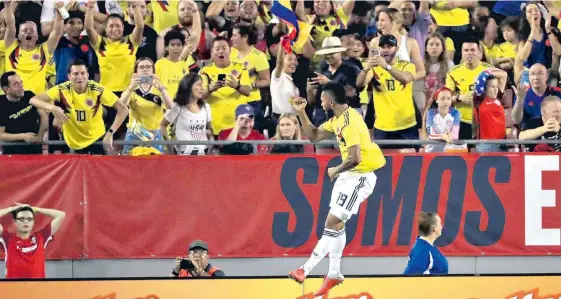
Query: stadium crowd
point(87, 71)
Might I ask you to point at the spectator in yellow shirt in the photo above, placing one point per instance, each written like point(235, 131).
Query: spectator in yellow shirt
point(453, 19)
point(487, 33)
point(448, 42)
point(226, 85)
point(28, 58)
point(244, 38)
point(178, 62)
point(393, 92)
point(461, 80)
point(509, 27)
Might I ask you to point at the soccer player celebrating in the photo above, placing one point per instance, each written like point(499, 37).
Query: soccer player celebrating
point(25, 250)
point(78, 108)
point(355, 178)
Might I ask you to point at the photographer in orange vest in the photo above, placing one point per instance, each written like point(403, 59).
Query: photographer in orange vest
point(196, 264)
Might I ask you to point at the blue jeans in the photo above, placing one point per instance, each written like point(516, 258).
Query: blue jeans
point(139, 133)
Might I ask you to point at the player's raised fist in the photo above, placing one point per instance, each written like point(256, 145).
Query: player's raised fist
point(299, 104)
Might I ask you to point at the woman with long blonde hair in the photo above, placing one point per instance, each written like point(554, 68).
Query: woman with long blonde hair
point(389, 21)
point(288, 128)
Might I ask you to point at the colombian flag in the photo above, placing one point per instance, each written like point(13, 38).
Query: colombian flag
point(298, 32)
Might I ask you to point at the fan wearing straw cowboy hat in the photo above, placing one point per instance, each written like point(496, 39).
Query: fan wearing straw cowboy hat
point(334, 70)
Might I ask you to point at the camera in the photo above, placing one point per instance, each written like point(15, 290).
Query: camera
point(186, 264)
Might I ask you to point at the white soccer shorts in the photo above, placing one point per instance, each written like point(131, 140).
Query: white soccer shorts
point(349, 191)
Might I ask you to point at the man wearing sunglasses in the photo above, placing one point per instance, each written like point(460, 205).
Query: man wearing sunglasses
point(25, 249)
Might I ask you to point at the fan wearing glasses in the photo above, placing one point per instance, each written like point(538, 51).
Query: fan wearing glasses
point(25, 249)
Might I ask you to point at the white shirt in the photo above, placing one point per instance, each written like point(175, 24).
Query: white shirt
point(282, 89)
point(402, 51)
point(190, 126)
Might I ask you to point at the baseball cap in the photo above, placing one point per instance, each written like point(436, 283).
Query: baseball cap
point(245, 109)
point(388, 40)
point(198, 244)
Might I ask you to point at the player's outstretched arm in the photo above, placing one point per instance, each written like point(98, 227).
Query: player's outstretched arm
point(58, 217)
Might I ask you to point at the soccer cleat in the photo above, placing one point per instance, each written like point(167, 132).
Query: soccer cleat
point(328, 284)
point(297, 275)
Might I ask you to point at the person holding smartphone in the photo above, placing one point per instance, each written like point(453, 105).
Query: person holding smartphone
point(147, 99)
point(226, 85)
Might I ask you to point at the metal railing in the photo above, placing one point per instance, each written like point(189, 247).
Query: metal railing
point(300, 142)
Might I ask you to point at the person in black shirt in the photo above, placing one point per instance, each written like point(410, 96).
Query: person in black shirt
point(334, 70)
point(545, 127)
point(149, 36)
point(19, 120)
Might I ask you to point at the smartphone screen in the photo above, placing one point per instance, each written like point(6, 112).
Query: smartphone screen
point(146, 79)
point(221, 77)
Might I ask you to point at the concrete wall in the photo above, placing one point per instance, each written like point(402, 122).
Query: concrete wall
point(281, 266)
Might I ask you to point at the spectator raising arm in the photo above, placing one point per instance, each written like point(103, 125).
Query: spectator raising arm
point(89, 23)
point(518, 109)
point(10, 18)
point(138, 31)
point(57, 30)
point(313, 133)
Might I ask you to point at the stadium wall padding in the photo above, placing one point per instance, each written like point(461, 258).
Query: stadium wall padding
point(274, 206)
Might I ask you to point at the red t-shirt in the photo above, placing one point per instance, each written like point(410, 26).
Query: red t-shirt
point(254, 135)
point(491, 118)
point(25, 258)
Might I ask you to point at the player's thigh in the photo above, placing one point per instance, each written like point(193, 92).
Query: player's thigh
point(349, 191)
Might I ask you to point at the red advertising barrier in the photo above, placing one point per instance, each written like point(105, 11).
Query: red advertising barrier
point(271, 206)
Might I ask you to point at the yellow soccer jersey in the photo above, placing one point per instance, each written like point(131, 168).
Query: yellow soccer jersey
point(84, 111)
point(146, 108)
point(462, 80)
point(170, 73)
point(326, 27)
point(351, 130)
point(51, 73)
point(116, 62)
point(254, 62)
point(31, 66)
point(2, 60)
point(508, 50)
point(445, 17)
point(492, 53)
point(2, 57)
point(225, 100)
point(449, 44)
point(165, 14)
point(393, 101)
